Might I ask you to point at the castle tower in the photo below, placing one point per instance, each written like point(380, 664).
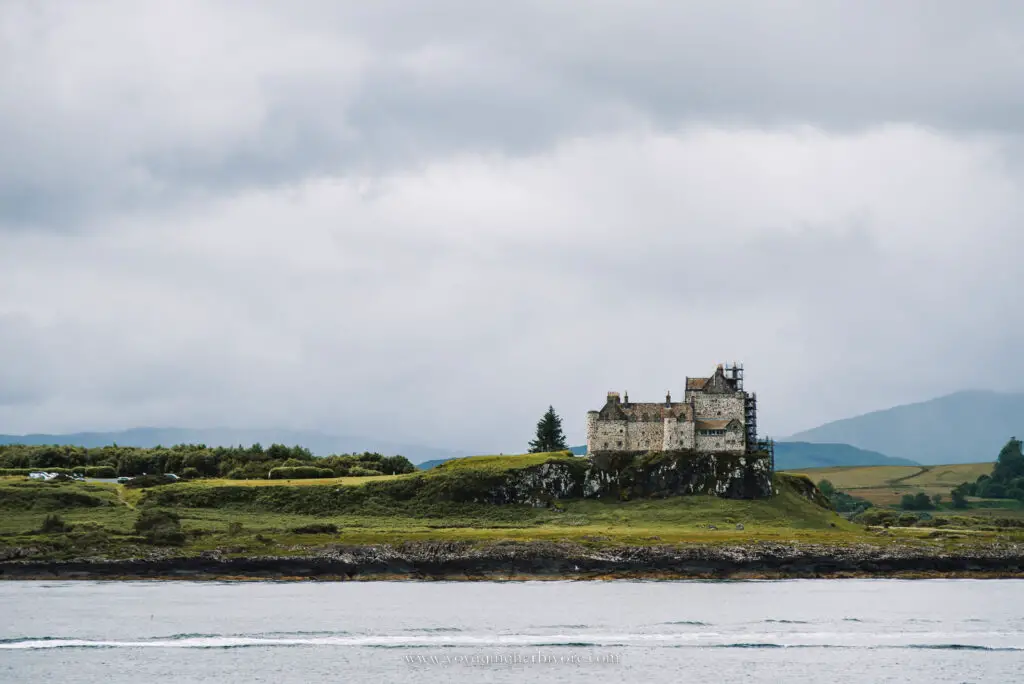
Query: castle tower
point(591, 429)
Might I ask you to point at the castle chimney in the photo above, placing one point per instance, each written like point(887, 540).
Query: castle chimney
point(626, 401)
point(668, 399)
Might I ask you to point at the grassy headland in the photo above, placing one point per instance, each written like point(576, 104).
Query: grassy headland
point(240, 519)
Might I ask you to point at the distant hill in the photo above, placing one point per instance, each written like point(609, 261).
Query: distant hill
point(427, 465)
point(794, 455)
point(319, 443)
point(965, 427)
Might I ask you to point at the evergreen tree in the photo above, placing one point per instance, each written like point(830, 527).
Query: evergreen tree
point(1010, 464)
point(549, 434)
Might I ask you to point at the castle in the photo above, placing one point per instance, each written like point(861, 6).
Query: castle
point(715, 416)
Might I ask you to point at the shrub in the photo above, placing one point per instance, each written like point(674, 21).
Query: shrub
point(299, 473)
point(234, 529)
point(254, 470)
point(90, 537)
point(916, 502)
point(160, 527)
point(358, 471)
point(396, 465)
point(190, 473)
point(876, 517)
point(106, 472)
point(316, 528)
point(906, 520)
point(53, 523)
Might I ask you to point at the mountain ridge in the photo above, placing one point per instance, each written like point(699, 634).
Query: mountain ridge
point(969, 426)
point(799, 455)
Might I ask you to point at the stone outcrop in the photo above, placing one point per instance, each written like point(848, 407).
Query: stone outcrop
point(622, 477)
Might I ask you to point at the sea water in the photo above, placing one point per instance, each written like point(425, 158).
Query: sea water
point(654, 632)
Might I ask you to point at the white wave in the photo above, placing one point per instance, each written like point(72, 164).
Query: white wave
point(980, 640)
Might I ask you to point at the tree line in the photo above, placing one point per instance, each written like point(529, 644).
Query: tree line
point(196, 461)
point(1005, 482)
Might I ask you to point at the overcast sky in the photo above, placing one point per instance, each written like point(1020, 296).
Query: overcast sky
point(428, 221)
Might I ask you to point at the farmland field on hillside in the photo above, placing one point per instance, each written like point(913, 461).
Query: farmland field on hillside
point(886, 485)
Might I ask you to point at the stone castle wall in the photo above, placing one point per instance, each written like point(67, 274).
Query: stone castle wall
point(679, 435)
point(606, 435)
point(732, 441)
point(719, 406)
point(700, 423)
point(645, 436)
point(667, 435)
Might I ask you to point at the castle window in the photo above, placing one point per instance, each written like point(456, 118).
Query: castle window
point(620, 443)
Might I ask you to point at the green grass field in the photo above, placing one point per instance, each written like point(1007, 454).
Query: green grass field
point(238, 517)
point(102, 516)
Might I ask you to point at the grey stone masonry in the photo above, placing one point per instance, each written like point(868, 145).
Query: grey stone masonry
point(710, 419)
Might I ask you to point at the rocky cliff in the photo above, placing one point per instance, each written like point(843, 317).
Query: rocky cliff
point(623, 477)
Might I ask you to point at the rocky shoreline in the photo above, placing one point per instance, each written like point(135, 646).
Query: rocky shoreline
point(552, 561)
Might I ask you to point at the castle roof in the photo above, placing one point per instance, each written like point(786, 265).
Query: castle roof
point(715, 424)
point(718, 383)
point(657, 411)
point(646, 411)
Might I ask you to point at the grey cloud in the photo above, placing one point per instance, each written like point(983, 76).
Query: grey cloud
point(431, 221)
point(450, 306)
point(390, 86)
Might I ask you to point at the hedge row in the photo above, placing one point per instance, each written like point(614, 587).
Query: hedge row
point(26, 471)
point(90, 471)
point(300, 473)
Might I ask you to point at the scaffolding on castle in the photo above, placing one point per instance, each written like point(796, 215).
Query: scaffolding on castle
point(734, 373)
point(767, 446)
